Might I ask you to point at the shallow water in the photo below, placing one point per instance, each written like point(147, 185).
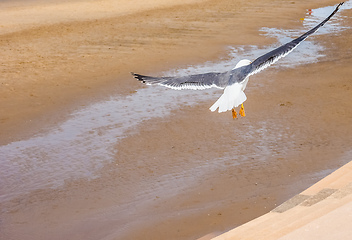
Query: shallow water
point(81, 145)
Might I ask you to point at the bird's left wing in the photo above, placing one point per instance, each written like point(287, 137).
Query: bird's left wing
point(195, 82)
point(267, 59)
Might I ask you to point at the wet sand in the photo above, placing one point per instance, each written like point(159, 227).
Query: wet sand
point(190, 173)
point(319, 212)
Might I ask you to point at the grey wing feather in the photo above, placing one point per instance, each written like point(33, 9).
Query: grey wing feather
point(221, 80)
point(195, 82)
point(267, 59)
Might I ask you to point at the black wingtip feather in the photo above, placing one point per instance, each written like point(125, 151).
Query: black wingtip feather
point(138, 77)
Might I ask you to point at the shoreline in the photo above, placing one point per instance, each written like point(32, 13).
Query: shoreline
point(292, 124)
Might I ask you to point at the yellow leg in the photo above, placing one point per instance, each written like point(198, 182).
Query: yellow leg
point(242, 113)
point(234, 113)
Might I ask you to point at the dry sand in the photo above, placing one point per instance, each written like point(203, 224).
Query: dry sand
point(53, 65)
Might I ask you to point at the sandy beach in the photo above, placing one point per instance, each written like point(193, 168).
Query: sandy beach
point(180, 175)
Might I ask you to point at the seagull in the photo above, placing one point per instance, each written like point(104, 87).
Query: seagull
point(234, 81)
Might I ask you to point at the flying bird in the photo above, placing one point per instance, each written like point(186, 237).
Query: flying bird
point(234, 81)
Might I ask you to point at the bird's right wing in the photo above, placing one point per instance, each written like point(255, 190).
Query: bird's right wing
point(271, 57)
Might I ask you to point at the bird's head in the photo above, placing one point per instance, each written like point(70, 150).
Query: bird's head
point(242, 63)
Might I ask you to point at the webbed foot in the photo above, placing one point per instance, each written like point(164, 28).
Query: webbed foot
point(242, 113)
point(234, 113)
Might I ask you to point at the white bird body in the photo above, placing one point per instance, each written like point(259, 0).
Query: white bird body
point(233, 94)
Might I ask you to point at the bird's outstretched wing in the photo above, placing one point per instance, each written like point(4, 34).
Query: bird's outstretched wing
point(195, 82)
point(271, 57)
point(221, 80)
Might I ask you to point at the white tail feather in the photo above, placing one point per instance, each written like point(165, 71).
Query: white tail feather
point(232, 97)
